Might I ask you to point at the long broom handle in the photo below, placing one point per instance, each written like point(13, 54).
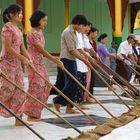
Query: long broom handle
point(68, 73)
point(103, 81)
point(28, 94)
point(63, 95)
point(18, 118)
point(110, 88)
point(133, 69)
point(117, 83)
point(138, 66)
point(109, 85)
point(129, 94)
point(120, 78)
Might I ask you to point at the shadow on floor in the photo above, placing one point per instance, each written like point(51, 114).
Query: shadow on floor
point(77, 121)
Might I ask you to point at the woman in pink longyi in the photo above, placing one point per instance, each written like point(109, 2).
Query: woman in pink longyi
point(37, 86)
point(12, 55)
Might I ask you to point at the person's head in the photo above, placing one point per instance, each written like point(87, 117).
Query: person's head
point(93, 33)
point(103, 38)
point(79, 21)
point(135, 43)
point(131, 38)
point(138, 43)
point(86, 28)
point(38, 19)
point(114, 44)
point(13, 13)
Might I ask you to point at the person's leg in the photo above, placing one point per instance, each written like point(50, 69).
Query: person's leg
point(113, 67)
point(87, 97)
point(122, 71)
point(59, 82)
point(70, 86)
point(130, 71)
point(18, 123)
point(92, 81)
point(79, 96)
point(80, 91)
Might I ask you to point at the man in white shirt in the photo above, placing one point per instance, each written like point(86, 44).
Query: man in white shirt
point(126, 59)
point(83, 43)
point(81, 73)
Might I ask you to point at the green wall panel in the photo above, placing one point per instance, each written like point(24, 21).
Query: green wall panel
point(125, 27)
point(137, 31)
point(55, 10)
point(96, 11)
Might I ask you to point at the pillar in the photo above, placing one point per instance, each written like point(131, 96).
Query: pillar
point(117, 34)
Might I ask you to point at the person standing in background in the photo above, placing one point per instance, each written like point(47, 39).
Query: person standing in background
point(113, 60)
point(126, 58)
point(104, 53)
point(92, 34)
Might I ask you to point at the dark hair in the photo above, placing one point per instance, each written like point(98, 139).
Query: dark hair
point(79, 19)
point(132, 36)
point(35, 18)
point(12, 9)
point(114, 42)
point(89, 23)
point(102, 36)
point(92, 30)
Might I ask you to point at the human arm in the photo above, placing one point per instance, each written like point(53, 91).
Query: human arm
point(81, 57)
point(132, 59)
point(41, 50)
point(7, 42)
point(87, 56)
point(24, 52)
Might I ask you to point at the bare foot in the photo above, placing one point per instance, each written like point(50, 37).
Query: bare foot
point(57, 107)
point(138, 80)
point(69, 110)
point(33, 119)
point(83, 107)
point(90, 100)
point(135, 81)
point(18, 123)
point(110, 89)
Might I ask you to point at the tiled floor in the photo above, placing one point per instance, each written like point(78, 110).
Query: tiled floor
point(53, 131)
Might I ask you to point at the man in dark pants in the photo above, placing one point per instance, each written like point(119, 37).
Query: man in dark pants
point(67, 55)
point(59, 82)
point(125, 59)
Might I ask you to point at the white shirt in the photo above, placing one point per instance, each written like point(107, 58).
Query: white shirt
point(86, 42)
point(124, 48)
point(80, 65)
point(137, 48)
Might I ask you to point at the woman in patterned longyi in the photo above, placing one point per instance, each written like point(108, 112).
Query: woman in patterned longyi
point(12, 55)
point(37, 86)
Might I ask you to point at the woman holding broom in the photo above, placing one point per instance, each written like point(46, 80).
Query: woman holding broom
point(37, 86)
point(12, 55)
